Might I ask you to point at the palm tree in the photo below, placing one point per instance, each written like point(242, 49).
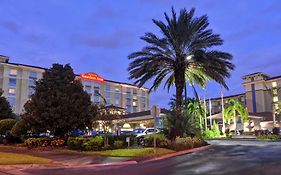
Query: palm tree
point(186, 45)
point(197, 110)
point(278, 109)
point(232, 110)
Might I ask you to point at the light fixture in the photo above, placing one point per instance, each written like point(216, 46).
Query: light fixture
point(189, 57)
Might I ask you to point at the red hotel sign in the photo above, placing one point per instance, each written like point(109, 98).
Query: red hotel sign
point(92, 77)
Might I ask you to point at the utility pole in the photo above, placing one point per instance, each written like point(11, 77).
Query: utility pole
point(155, 112)
point(222, 111)
point(210, 110)
point(205, 114)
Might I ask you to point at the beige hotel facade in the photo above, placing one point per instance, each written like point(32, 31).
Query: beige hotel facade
point(17, 81)
point(262, 92)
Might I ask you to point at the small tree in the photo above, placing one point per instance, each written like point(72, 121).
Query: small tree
point(59, 103)
point(233, 109)
point(19, 129)
point(105, 119)
point(6, 125)
point(5, 108)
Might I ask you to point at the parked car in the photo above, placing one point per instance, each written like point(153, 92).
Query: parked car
point(140, 133)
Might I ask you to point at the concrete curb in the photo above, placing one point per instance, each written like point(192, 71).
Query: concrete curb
point(179, 153)
point(19, 168)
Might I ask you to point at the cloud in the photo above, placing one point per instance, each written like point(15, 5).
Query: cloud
point(111, 40)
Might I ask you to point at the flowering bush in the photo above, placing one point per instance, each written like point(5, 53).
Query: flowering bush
point(57, 143)
point(91, 143)
point(180, 144)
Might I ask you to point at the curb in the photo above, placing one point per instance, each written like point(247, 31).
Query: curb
point(178, 153)
point(130, 162)
point(103, 164)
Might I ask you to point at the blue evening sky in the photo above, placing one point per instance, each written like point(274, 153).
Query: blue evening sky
point(97, 36)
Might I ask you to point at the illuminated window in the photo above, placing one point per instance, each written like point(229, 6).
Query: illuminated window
point(275, 99)
point(134, 103)
point(274, 84)
point(12, 91)
point(13, 72)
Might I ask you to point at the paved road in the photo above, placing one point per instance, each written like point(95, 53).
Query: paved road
point(224, 157)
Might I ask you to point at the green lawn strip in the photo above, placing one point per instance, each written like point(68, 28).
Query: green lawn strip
point(142, 152)
point(13, 158)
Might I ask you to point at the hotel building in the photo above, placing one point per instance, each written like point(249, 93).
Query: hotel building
point(262, 92)
point(17, 82)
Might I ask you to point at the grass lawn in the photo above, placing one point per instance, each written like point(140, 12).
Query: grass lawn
point(13, 158)
point(143, 152)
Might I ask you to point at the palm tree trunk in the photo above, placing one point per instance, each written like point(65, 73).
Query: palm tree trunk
point(179, 83)
point(234, 122)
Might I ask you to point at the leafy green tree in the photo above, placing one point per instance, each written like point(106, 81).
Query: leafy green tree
point(5, 108)
point(234, 109)
point(20, 129)
point(6, 125)
point(59, 103)
point(106, 118)
point(185, 46)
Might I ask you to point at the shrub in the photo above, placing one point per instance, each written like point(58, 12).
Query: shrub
point(37, 142)
point(276, 131)
point(112, 139)
point(269, 137)
point(213, 133)
point(161, 140)
point(180, 144)
point(81, 143)
point(118, 144)
point(75, 142)
point(57, 143)
point(6, 125)
point(19, 129)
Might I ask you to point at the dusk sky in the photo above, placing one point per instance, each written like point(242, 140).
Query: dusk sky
point(97, 36)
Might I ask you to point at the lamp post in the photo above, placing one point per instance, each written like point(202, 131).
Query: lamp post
point(222, 111)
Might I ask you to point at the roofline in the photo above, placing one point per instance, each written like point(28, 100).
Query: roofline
point(254, 74)
point(39, 67)
point(229, 96)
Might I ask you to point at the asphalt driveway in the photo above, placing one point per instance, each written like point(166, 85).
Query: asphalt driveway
point(224, 157)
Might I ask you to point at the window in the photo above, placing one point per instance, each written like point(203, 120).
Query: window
point(128, 102)
point(274, 84)
point(107, 97)
point(12, 82)
point(88, 89)
point(135, 108)
point(13, 72)
point(31, 91)
point(107, 88)
point(128, 109)
point(97, 85)
point(135, 91)
point(134, 103)
point(12, 91)
point(33, 75)
point(32, 83)
point(12, 101)
point(143, 93)
point(117, 103)
point(87, 83)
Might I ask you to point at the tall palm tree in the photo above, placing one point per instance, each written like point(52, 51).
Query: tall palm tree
point(234, 109)
point(186, 45)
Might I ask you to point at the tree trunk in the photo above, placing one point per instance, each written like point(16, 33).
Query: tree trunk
point(179, 83)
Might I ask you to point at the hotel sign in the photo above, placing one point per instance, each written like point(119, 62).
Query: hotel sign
point(91, 77)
